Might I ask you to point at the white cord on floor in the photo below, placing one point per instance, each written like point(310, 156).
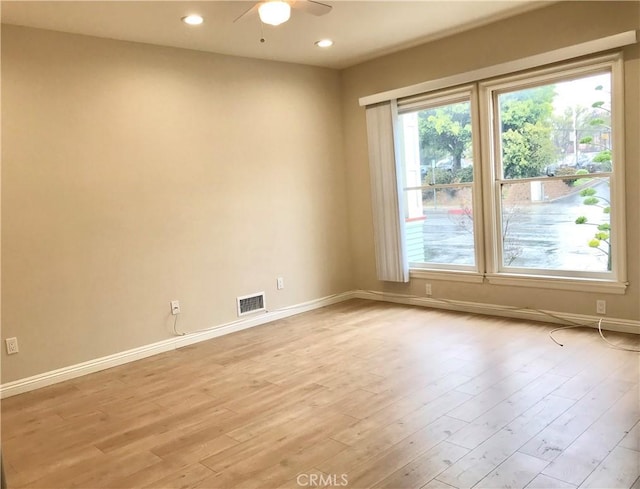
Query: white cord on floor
point(617, 347)
point(560, 329)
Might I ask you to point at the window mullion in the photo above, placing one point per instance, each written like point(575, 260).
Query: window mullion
point(478, 179)
point(489, 210)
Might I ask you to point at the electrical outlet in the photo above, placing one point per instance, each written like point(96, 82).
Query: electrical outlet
point(601, 307)
point(427, 290)
point(280, 283)
point(12, 345)
point(175, 307)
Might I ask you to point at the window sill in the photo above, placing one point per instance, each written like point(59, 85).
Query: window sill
point(531, 281)
point(558, 283)
point(448, 275)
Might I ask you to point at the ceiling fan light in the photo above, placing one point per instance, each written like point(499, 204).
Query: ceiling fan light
point(274, 13)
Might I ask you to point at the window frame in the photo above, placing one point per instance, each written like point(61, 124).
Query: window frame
point(486, 186)
point(465, 93)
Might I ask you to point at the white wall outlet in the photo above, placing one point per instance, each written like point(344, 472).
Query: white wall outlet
point(12, 345)
point(175, 307)
point(280, 283)
point(427, 290)
point(601, 307)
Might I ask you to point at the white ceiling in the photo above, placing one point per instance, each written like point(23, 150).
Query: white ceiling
point(361, 30)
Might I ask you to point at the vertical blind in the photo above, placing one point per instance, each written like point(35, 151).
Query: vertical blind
point(391, 260)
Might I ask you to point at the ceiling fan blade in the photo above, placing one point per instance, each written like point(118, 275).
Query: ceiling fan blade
point(312, 7)
point(247, 12)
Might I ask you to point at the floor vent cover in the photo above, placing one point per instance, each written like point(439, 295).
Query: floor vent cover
point(251, 303)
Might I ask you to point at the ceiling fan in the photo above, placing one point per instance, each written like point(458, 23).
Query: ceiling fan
point(276, 12)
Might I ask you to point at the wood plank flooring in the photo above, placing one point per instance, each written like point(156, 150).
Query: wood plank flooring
point(361, 395)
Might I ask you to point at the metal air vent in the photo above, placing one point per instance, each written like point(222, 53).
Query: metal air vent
point(251, 303)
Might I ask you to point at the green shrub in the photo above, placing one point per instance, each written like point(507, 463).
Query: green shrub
point(464, 175)
point(567, 171)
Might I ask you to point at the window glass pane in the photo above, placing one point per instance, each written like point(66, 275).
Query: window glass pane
point(435, 148)
point(558, 129)
point(443, 234)
point(556, 224)
point(436, 145)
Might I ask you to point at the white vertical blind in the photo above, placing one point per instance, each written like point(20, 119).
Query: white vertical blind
point(391, 260)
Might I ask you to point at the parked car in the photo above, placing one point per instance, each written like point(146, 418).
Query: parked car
point(445, 164)
point(583, 161)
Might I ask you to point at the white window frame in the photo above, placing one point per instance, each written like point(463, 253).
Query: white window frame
point(611, 282)
point(486, 185)
point(467, 93)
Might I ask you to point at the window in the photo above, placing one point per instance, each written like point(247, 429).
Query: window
point(436, 161)
point(518, 179)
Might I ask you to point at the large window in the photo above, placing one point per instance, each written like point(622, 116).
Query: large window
point(553, 161)
point(544, 197)
point(436, 148)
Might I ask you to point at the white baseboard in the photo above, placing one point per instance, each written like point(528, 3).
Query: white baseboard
point(66, 373)
point(60, 375)
point(608, 323)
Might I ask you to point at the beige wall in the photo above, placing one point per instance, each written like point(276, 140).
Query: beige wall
point(535, 32)
point(133, 175)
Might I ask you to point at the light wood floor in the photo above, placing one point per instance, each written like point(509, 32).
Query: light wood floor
point(371, 394)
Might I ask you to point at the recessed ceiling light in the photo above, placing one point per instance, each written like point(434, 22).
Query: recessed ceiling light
point(324, 43)
point(193, 19)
